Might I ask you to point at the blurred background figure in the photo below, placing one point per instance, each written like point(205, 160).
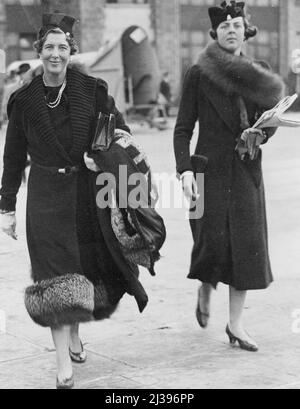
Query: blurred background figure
point(15, 80)
point(9, 85)
point(293, 79)
point(165, 92)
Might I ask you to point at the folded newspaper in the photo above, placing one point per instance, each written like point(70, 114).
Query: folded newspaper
point(273, 118)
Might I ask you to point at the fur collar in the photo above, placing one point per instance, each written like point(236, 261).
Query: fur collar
point(241, 76)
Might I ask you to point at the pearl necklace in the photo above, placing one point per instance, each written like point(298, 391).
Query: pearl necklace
point(55, 103)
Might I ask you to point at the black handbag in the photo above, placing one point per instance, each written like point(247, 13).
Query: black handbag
point(105, 132)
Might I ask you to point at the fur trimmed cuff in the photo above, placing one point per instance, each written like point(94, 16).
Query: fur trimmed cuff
point(60, 301)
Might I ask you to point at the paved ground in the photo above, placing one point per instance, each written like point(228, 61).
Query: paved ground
point(164, 347)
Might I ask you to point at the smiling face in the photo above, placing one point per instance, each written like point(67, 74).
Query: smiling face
point(231, 35)
point(55, 54)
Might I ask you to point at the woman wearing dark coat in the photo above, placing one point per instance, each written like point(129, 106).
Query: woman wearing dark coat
point(227, 92)
point(78, 270)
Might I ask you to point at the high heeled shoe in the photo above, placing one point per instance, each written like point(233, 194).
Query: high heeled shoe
point(245, 345)
point(79, 357)
point(202, 317)
point(66, 383)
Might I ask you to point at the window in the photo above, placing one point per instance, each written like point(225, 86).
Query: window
point(26, 46)
point(258, 3)
point(24, 2)
point(265, 47)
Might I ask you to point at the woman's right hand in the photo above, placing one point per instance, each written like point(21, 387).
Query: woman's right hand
point(9, 224)
point(253, 138)
point(189, 186)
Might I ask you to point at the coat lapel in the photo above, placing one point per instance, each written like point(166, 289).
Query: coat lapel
point(82, 98)
point(36, 111)
point(81, 91)
point(222, 103)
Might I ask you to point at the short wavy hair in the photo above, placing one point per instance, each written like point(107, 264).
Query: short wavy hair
point(250, 31)
point(39, 44)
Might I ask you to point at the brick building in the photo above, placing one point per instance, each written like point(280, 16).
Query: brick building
point(24, 19)
point(166, 24)
point(289, 33)
point(177, 28)
point(2, 24)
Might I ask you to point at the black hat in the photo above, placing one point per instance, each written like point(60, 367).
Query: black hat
point(23, 68)
point(226, 12)
point(57, 20)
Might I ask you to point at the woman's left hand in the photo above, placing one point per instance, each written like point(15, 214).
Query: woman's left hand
point(9, 224)
point(90, 164)
point(253, 138)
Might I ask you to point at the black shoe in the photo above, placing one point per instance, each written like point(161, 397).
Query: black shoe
point(202, 317)
point(80, 357)
point(65, 384)
point(245, 345)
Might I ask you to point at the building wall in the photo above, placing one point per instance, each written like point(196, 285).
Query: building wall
point(2, 24)
point(177, 28)
point(290, 33)
point(22, 25)
point(166, 25)
point(194, 29)
point(266, 45)
point(118, 17)
point(92, 20)
point(2, 44)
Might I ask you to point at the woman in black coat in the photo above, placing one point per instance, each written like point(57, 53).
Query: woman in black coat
point(79, 272)
point(227, 92)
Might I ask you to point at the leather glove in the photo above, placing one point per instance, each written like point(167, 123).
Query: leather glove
point(9, 224)
point(250, 141)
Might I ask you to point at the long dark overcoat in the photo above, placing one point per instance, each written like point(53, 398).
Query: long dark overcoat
point(61, 207)
point(231, 239)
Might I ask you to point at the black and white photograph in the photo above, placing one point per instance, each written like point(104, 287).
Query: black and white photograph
point(149, 197)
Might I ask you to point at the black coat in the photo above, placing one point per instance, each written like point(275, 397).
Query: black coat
point(66, 233)
point(230, 240)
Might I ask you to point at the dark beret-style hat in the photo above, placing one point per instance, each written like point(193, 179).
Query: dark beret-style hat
point(226, 12)
point(57, 20)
